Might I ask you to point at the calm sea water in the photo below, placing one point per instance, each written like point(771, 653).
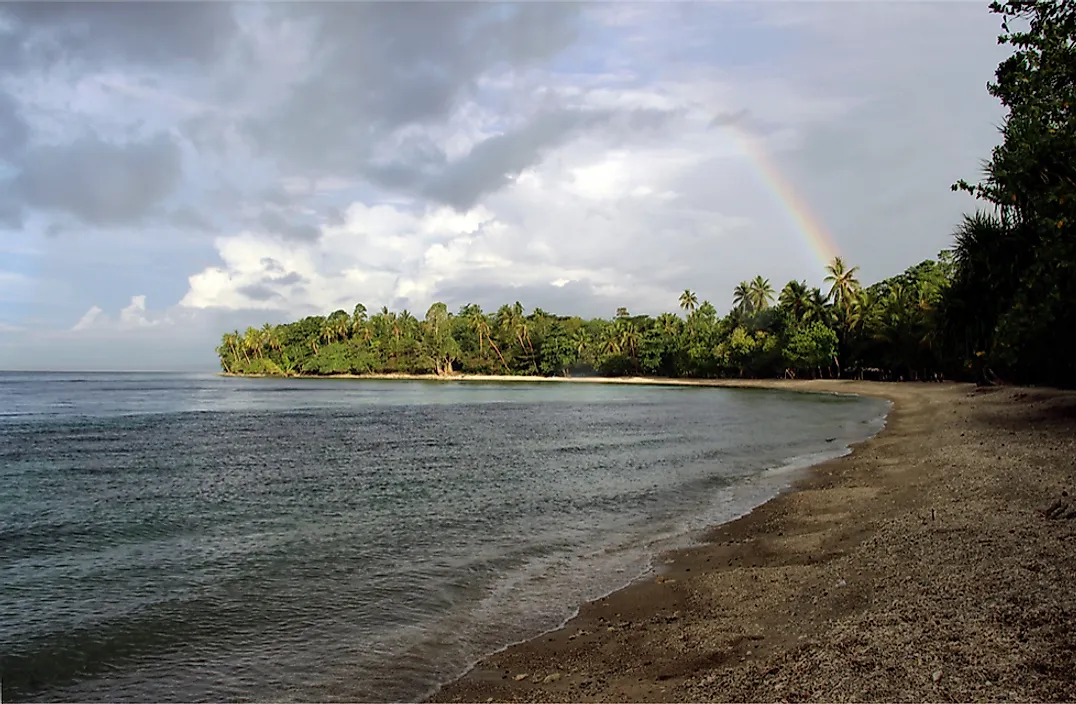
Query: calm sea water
point(168, 537)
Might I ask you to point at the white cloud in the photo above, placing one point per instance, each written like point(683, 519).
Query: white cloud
point(88, 320)
point(133, 316)
point(590, 214)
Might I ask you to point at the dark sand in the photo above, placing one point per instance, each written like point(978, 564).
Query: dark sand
point(936, 562)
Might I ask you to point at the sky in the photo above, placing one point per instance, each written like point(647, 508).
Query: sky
point(172, 171)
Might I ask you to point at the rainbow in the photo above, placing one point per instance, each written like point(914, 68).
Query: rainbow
point(803, 219)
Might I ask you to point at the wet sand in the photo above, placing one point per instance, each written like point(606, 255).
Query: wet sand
point(936, 562)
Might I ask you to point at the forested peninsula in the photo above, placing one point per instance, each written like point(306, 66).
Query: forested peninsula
point(1000, 304)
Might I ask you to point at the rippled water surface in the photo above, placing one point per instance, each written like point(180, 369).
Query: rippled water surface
point(168, 537)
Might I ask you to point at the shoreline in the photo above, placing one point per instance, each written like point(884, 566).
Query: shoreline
point(796, 385)
point(842, 568)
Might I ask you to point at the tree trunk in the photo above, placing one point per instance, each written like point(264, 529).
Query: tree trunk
point(498, 351)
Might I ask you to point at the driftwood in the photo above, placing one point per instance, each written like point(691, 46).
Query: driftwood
point(1061, 509)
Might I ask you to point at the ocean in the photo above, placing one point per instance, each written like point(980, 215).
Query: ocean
point(186, 537)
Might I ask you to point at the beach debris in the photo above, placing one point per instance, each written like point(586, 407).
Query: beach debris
point(842, 583)
point(521, 676)
point(551, 678)
point(1062, 508)
point(937, 675)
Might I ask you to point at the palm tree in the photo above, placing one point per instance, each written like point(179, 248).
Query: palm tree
point(843, 283)
point(860, 310)
point(271, 337)
point(629, 340)
point(761, 293)
point(611, 340)
point(668, 324)
point(358, 321)
point(580, 341)
point(343, 327)
point(328, 331)
point(228, 351)
point(689, 301)
point(407, 325)
point(252, 340)
point(795, 298)
point(480, 324)
point(513, 323)
point(234, 340)
point(817, 307)
point(742, 299)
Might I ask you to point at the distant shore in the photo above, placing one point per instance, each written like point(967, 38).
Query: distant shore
point(932, 563)
point(790, 384)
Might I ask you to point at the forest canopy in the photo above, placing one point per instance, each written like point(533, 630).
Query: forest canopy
point(885, 329)
point(1000, 304)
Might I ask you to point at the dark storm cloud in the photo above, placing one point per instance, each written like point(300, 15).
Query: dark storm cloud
point(385, 65)
point(101, 183)
point(374, 68)
point(493, 163)
point(13, 128)
point(142, 32)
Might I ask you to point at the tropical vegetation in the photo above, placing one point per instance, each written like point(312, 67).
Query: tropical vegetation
point(884, 330)
point(1000, 304)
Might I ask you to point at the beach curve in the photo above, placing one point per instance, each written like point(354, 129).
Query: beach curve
point(920, 566)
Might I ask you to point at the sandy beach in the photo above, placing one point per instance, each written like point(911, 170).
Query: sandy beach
point(935, 562)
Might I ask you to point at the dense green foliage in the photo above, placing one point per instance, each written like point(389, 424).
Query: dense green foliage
point(1012, 306)
point(1001, 303)
point(883, 330)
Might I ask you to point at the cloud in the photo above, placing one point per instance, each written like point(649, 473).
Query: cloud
point(99, 182)
point(496, 161)
point(274, 223)
point(272, 160)
point(187, 218)
point(88, 319)
point(13, 128)
point(131, 317)
point(724, 119)
point(155, 33)
point(380, 67)
point(570, 229)
point(134, 315)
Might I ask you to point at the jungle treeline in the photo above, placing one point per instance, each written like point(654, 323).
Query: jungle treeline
point(1000, 304)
